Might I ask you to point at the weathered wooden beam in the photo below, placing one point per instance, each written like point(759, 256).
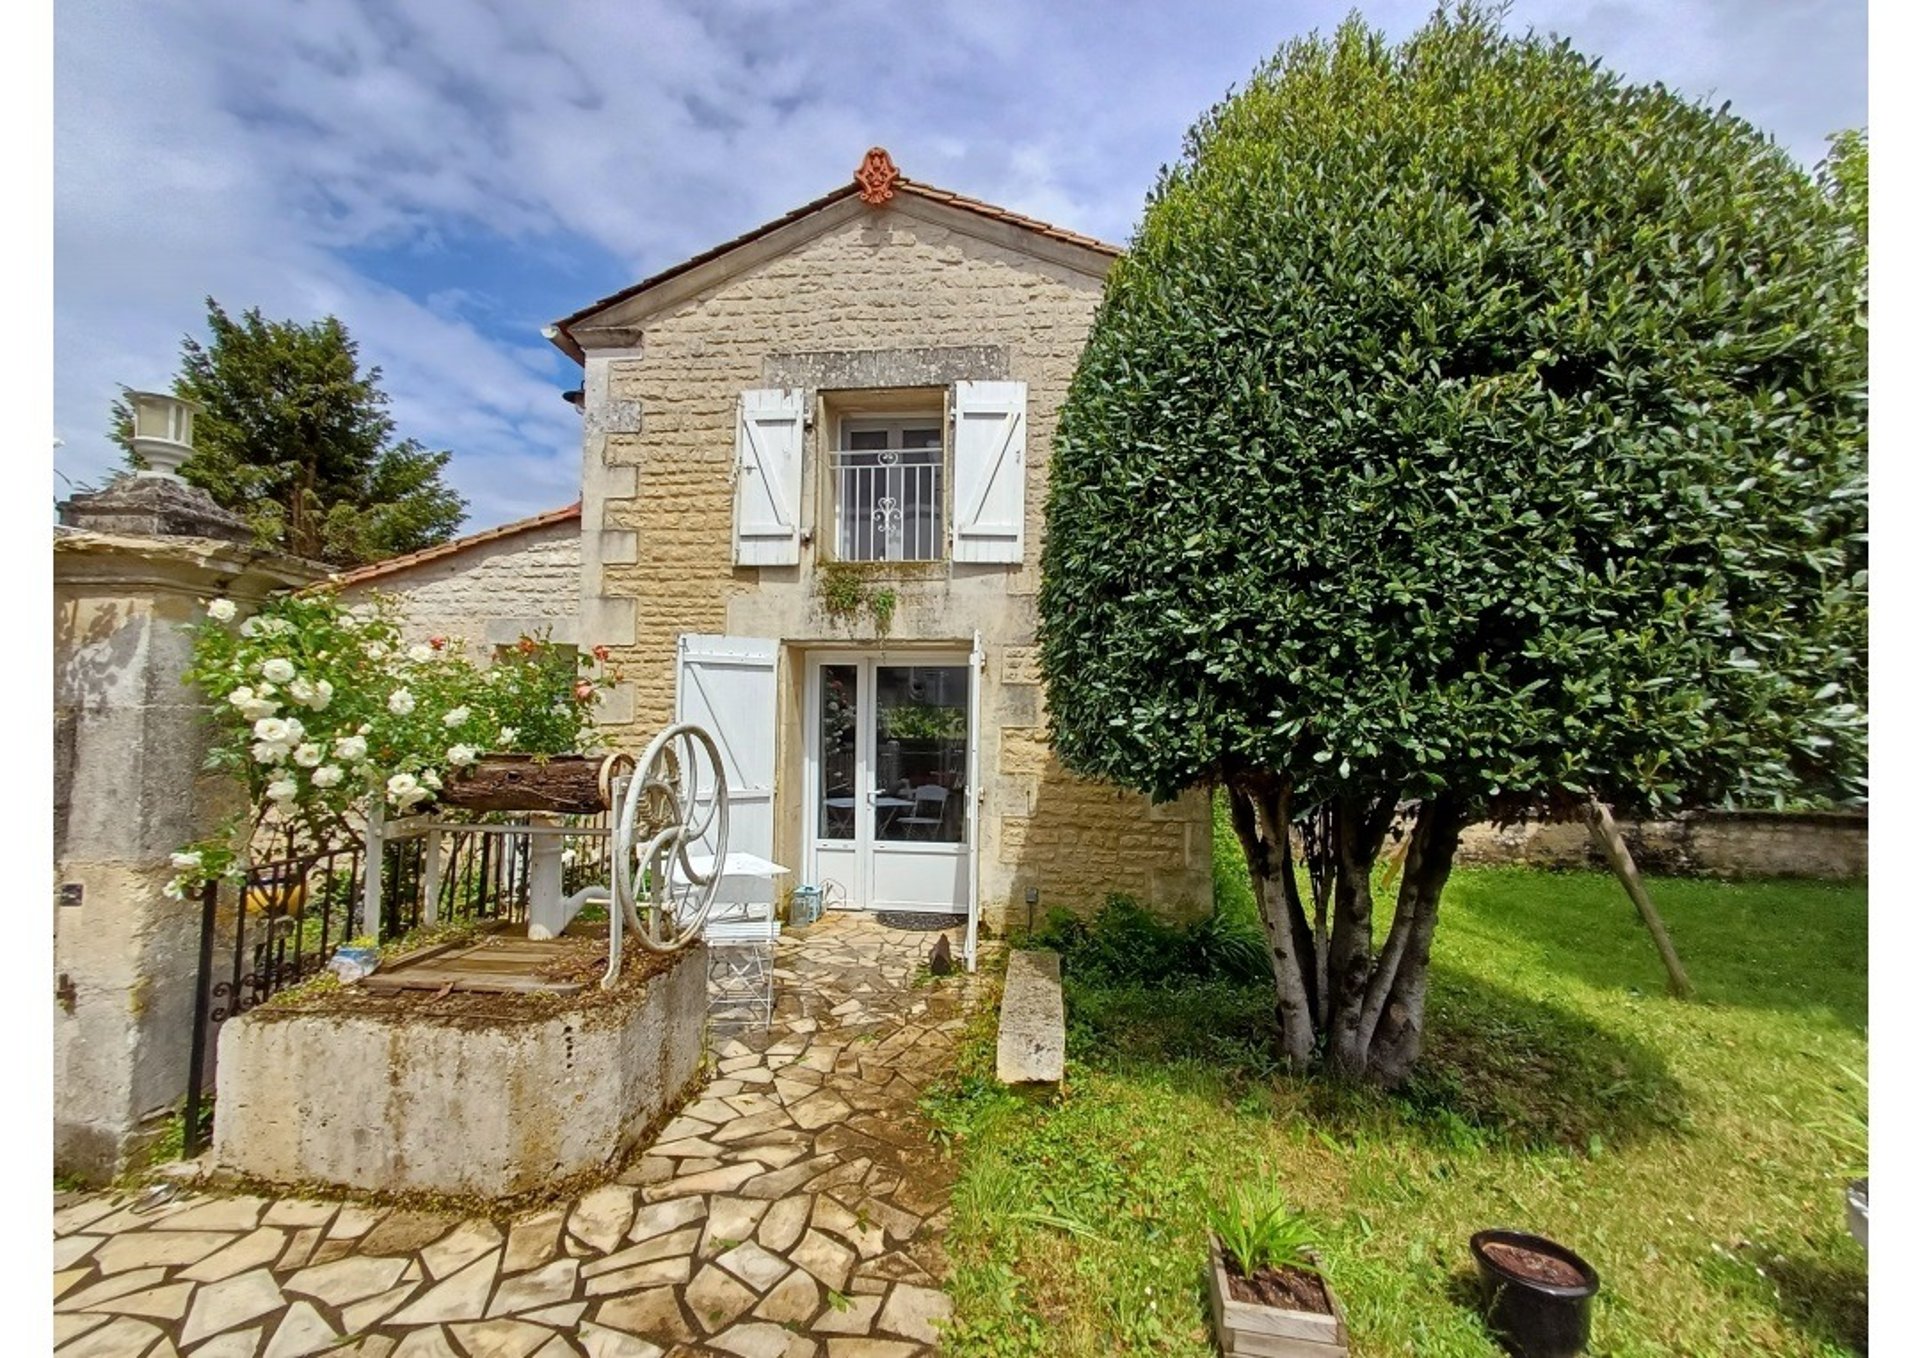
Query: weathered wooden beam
point(1613, 847)
point(568, 783)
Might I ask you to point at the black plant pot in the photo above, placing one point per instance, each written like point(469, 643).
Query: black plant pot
point(1535, 1319)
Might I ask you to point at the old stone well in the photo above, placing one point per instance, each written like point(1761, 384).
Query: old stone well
point(473, 1094)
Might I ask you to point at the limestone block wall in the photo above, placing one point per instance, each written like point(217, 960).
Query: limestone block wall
point(129, 788)
point(904, 296)
point(1830, 845)
point(490, 593)
point(402, 1101)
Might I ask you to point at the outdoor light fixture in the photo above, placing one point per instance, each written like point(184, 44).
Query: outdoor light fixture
point(162, 430)
point(577, 398)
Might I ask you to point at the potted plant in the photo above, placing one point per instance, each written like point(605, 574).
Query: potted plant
point(1537, 1294)
point(1270, 1297)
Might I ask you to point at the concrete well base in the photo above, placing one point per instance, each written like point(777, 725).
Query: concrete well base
point(414, 1103)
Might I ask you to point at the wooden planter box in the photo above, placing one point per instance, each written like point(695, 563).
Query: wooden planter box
point(1249, 1330)
point(566, 783)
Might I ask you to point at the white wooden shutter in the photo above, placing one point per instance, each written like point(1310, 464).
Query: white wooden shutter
point(989, 470)
point(726, 684)
point(766, 478)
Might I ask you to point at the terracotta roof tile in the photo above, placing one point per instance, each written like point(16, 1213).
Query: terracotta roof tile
point(393, 564)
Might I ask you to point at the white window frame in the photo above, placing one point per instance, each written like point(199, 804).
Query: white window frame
point(895, 425)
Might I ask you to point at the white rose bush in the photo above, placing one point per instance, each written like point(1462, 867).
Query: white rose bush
point(318, 707)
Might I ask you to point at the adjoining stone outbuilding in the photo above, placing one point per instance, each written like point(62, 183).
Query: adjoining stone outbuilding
point(813, 482)
point(487, 588)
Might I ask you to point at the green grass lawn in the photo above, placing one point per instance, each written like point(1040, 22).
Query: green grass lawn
point(1695, 1153)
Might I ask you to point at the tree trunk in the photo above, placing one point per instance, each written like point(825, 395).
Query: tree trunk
point(1358, 828)
point(1397, 1000)
point(1261, 816)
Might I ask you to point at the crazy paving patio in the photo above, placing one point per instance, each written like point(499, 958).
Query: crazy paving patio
point(795, 1208)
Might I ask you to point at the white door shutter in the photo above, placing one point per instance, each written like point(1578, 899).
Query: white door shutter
point(766, 478)
point(726, 684)
point(989, 470)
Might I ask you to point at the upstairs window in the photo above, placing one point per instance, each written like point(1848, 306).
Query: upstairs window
point(888, 479)
point(898, 481)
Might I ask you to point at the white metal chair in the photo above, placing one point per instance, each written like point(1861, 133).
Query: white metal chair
point(929, 811)
point(740, 930)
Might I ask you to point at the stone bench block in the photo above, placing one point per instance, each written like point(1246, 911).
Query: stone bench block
point(1033, 1022)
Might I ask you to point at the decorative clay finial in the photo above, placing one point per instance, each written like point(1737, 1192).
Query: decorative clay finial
point(876, 177)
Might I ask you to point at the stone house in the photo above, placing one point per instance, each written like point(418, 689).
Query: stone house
point(813, 479)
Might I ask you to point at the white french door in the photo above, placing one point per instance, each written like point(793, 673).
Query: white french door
point(887, 778)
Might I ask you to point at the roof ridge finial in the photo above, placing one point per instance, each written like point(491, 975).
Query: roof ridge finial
point(876, 176)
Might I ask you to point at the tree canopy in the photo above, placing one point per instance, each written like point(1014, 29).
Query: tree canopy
point(1463, 426)
point(295, 437)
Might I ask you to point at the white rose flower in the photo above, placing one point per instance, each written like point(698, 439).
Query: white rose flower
point(460, 755)
point(507, 735)
point(269, 751)
point(294, 730)
point(327, 775)
point(420, 652)
point(250, 628)
point(241, 696)
point(267, 690)
point(322, 695)
point(400, 702)
point(376, 651)
point(428, 778)
point(176, 890)
point(403, 790)
point(350, 747)
point(258, 708)
point(456, 716)
point(300, 691)
point(282, 790)
point(271, 729)
point(221, 610)
point(277, 670)
point(307, 756)
point(365, 728)
point(185, 861)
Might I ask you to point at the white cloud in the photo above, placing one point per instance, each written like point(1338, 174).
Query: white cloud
point(253, 151)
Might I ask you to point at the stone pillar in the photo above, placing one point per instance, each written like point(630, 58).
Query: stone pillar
point(129, 742)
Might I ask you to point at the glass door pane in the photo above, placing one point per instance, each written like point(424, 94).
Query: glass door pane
point(839, 734)
point(919, 753)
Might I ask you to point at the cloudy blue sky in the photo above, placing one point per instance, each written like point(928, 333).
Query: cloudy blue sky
point(449, 175)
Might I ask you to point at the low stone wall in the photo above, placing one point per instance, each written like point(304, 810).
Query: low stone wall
point(1822, 844)
point(445, 1105)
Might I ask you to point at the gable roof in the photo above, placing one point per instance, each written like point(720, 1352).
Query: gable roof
point(876, 182)
point(395, 564)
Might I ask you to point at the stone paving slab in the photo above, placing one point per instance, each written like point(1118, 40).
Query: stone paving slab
point(794, 1209)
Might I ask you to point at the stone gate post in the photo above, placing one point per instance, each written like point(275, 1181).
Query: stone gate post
point(130, 564)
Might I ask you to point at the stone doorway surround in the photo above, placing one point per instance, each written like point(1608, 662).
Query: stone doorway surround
point(794, 1209)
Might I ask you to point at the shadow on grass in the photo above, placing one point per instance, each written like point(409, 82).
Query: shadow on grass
point(1463, 1289)
point(1499, 1067)
point(1767, 944)
point(1825, 1298)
